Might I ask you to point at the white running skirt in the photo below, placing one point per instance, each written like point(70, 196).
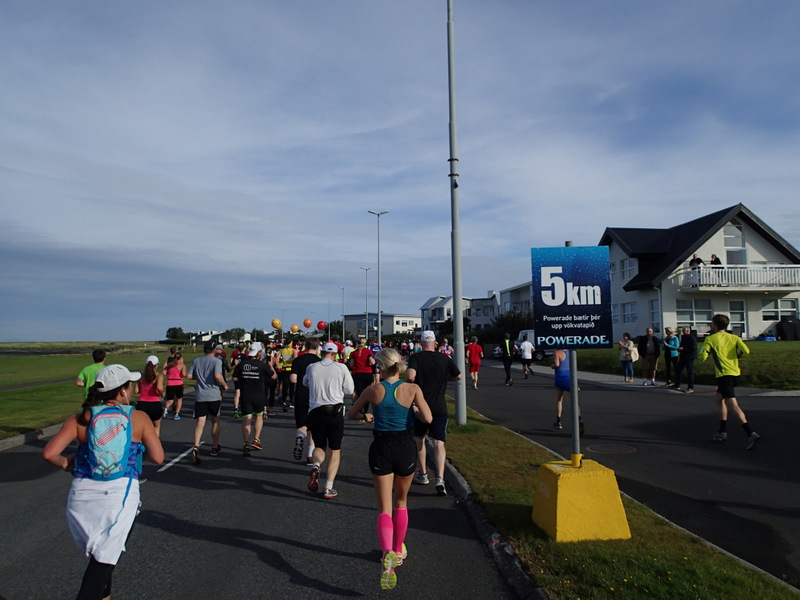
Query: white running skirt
point(100, 516)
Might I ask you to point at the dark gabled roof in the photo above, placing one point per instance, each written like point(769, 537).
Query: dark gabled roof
point(660, 251)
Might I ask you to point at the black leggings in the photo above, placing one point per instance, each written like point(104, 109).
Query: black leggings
point(96, 583)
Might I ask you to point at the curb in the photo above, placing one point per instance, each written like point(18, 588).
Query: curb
point(501, 551)
point(26, 438)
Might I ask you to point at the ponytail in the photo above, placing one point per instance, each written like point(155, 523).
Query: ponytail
point(95, 397)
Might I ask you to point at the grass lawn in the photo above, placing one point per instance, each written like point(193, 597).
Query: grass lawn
point(769, 365)
point(659, 561)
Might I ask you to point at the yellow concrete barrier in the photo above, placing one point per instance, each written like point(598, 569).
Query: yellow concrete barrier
point(574, 504)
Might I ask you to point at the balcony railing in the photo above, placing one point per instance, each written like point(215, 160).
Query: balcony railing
point(754, 278)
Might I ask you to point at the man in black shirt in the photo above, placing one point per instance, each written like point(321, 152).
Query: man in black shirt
point(301, 399)
point(431, 371)
point(250, 376)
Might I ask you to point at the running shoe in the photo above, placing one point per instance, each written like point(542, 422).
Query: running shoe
point(177, 417)
point(402, 555)
point(256, 444)
point(216, 450)
point(329, 493)
point(236, 413)
point(309, 461)
point(313, 481)
point(721, 437)
point(690, 391)
point(421, 478)
point(196, 455)
point(166, 413)
point(388, 577)
point(440, 489)
point(474, 385)
point(558, 425)
point(298, 448)
point(644, 382)
point(752, 440)
point(246, 449)
point(270, 413)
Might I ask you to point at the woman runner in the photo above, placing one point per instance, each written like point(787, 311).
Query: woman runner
point(392, 454)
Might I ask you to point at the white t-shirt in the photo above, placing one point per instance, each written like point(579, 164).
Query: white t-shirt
point(526, 350)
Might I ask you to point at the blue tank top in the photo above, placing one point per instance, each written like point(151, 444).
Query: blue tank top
point(562, 370)
point(82, 469)
point(390, 415)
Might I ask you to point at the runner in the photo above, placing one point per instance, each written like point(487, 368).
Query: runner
point(175, 371)
point(328, 382)
point(250, 378)
point(474, 356)
point(392, 455)
point(86, 376)
point(301, 400)
point(150, 390)
point(207, 371)
point(101, 513)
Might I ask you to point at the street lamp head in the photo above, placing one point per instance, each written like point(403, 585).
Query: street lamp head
point(377, 214)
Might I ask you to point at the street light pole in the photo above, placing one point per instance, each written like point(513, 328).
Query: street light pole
point(458, 310)
point(344, 334)
point(380, 317)
point(366, 301)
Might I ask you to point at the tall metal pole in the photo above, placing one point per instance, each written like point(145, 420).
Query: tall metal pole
point(573, 396)
point(458, 310)
point(366, 301)
point(344, 335)
point(380, 317)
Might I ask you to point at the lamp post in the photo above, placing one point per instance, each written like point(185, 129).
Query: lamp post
point(458, 301)
point(366, 301)
point(378, 214)
point(344, 335)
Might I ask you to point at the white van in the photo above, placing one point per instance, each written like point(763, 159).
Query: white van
point(538, 355)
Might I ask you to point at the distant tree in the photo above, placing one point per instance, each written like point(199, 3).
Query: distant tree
point(176, 334)
point(234, 335)
point(514, 321)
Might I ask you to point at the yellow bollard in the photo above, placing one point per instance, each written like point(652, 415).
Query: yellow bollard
point(574, 504)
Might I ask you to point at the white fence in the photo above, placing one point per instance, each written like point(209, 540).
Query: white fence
point(769, 277)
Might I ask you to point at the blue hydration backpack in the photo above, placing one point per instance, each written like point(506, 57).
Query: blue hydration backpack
point(109, 442)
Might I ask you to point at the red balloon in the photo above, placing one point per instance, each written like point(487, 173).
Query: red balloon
point(307, 323)
point(321, 325)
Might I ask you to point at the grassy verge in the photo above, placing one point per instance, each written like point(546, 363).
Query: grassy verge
point(30, 408)
point(659, 561)
point(769, 365)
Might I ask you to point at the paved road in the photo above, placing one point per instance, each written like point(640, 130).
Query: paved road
point(658, 442)
point(235, 527)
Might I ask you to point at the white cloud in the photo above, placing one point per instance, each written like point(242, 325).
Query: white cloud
point(223, 159)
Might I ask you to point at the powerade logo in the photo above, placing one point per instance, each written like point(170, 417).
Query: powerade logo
point(569, 341)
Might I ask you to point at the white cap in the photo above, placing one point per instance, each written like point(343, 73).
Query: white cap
point(330, 347)
point(428, 336)
point(115, 376)
point(255, 348)
point(152, 359)
point(348, 343)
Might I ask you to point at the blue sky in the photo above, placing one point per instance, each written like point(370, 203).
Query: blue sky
point(210, 165)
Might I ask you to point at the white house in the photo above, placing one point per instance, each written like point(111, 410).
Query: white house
point(391, 324)
point(756, 283)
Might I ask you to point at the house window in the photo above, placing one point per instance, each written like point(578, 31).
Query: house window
point(615, 313)
point(629, 312)
point(738, 314)
point(655, 315)
point(627, 267)
point(694, 313)
point(773, 310)
point(735, 251)
point(612, 271)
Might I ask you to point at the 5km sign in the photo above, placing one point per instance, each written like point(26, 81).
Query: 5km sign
point(571, 298)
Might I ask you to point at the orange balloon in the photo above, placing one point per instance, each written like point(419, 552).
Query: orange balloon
point(294, 328)
point(276, 323)
point(307, 323)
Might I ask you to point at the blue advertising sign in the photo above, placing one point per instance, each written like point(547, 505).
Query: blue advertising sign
point(571, 298)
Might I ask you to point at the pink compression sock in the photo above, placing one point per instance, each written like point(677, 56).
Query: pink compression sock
point(385, 531)
point(400, 522)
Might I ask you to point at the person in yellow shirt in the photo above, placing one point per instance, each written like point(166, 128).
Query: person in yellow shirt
point(726, 349)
